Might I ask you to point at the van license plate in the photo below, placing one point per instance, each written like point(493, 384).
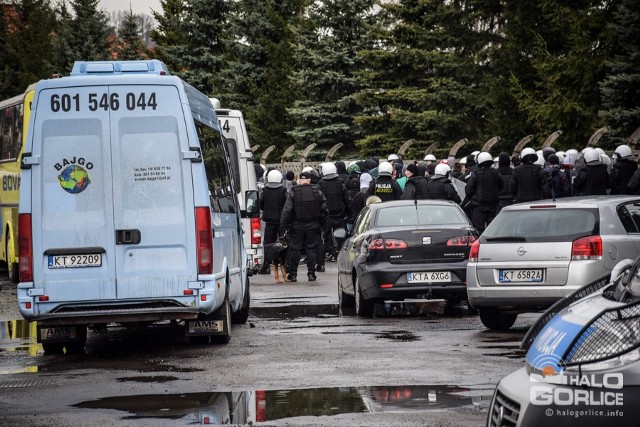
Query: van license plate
point(429, 277)
point(75, 261)
point(58, 333)
point(510, 276)
point(200, 326)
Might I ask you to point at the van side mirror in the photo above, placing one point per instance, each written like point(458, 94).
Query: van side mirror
point(251, 202)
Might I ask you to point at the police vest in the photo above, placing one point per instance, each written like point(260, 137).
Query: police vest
point(306, 203)
point(332, 190)
point(487, 186)
point(528, 178)
point(436, 190)
point(274, 199)
point(384, 188)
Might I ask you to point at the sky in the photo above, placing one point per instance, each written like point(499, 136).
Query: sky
point(138, 6)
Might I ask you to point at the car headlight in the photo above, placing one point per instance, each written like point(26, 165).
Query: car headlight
point(612, 339)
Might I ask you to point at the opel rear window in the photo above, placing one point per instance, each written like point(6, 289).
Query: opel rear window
point(542, 225)
point(412, 215)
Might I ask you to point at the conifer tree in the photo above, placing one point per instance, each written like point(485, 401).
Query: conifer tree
point(130, 42)
point(91, 34)
point(621, 87)
point(169, 37)
point(326, 77)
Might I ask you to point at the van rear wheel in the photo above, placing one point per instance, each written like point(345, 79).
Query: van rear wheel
point(497, 320)
point(224, 314)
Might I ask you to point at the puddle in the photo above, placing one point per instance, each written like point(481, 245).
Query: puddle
point(402, 336)
point(152, 379)
point(269, 405)
point(290, 312)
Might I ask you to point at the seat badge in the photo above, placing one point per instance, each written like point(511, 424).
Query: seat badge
point(426, 240)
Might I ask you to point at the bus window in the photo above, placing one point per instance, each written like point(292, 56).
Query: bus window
point(17, 131)
point(7, 132)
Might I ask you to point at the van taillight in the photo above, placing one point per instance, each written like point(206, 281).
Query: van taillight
point(589, 247)
point(25, 247)
point(204, 240)
point(474, 251)
point(256, 233)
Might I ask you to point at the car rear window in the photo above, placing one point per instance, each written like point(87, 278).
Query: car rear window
point(412, 215)
point(543, 225)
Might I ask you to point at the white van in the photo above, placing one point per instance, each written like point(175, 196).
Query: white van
point(235, 133)
point(127, 209)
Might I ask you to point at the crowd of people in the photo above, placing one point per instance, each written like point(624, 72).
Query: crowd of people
point(318, 202)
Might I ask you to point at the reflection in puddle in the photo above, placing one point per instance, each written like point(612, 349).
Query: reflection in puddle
point(269, 405)
point(290, 312)
point(23, 331)
point(402, 336)
point(152, 379)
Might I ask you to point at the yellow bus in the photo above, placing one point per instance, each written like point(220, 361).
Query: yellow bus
point(14, 119)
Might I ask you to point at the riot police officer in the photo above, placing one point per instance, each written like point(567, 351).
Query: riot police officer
point(622, 171)
point(593, 178)
point(529, 181)
point(483, 188)
point(385, 186)
point(274, 195)
point(305, 214)
point(440, 186)
point(339, 207)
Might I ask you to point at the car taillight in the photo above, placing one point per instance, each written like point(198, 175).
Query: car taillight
point(256, 234)
point(461, 241)
point(379, 244)
point(204, 240)
point(25, 247)
point(589, 247)
point(474, 251)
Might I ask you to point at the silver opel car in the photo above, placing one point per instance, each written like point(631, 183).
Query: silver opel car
point(535, 253)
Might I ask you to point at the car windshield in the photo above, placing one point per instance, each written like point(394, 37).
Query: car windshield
point(542, 225)
point(413, 215)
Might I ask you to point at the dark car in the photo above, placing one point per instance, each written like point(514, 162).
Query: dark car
point(405, 249)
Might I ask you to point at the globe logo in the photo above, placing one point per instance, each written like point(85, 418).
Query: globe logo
point(74, 179)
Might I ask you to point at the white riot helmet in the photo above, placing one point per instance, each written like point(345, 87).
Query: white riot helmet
point(571, 152)
point(385, 168)
point(606, 160)
point(393, 157)
point(528, 152)
point(475, 154)
point(540, 160)
point(328, 169)
point(274, 176)
point(463, 161)
point(623, 152)
point(430, 158)
point(483, 157)
point(592, 157)
point(442, 169)
point(307, 169)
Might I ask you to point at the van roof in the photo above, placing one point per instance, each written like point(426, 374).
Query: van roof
point(100, 73)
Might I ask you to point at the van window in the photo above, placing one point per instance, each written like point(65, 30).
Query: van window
point(543, 225)
point(232, 148)
point(215, 162)
point(10, 132)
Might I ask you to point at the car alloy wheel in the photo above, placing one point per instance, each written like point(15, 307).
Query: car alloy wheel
point(364, 308)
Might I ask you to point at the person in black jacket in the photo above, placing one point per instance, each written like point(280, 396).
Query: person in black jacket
point(305, 214)
point(559, 184)
point(339, 207)
point(440, 186)
point(416, 186)
point(622, 171)
point(506, 173)
point(341, 169)
point(593, 178)
point(483, 187)
point(385, 186)
point(274, 194)
point(529, 181)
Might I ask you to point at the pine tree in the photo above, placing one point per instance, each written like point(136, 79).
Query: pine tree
point(326, 77)
point(621, 87)
point(91, 34)
point(169, 36)
point(425, 77)
point(62, 39)
point(258, 66)
point(130, 43)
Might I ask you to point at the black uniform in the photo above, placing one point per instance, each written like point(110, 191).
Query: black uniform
point(529, 182)
point(620, 176)
point(439, 187)
point(305, 213)
point(272, 203)
point(415, 188)
point(483, 188)
point(506, 173)
point(386, 188)
point(591, 180)
point(339, 207)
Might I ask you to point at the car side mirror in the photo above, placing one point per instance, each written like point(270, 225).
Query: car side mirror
point(251, 202)
point(340, 233)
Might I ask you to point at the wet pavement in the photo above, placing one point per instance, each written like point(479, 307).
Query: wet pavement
point(300, 360)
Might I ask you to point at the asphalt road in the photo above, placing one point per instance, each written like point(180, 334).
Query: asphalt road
point(297, 361)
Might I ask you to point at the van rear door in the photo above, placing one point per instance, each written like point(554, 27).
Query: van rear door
point(116, 190)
